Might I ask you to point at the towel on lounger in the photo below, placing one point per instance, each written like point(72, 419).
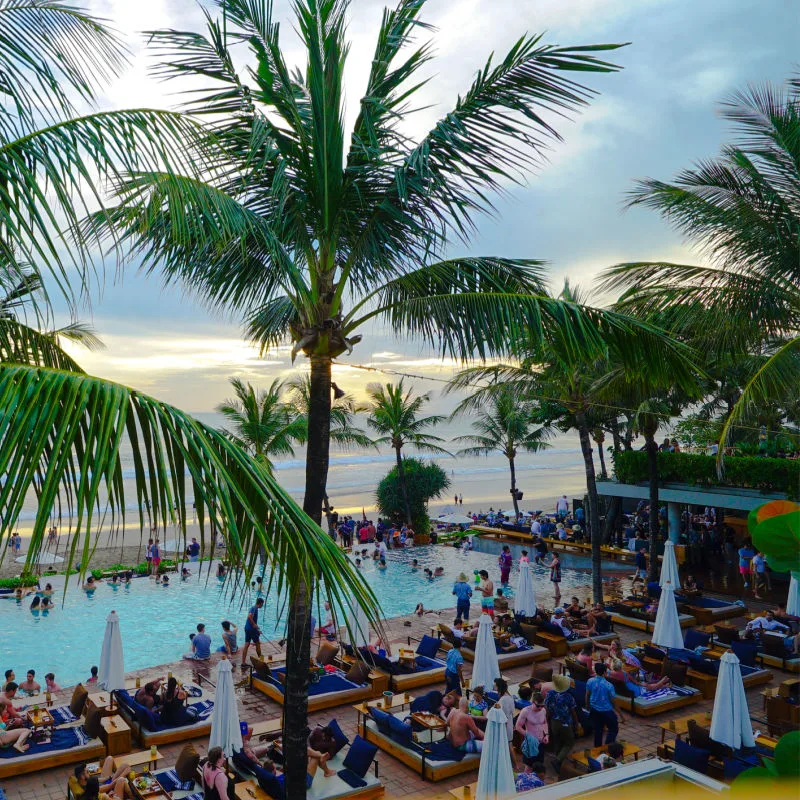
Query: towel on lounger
point(170, 782)
point(62, 715)
point(203, 709)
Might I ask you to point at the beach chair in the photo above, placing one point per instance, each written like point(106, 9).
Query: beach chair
point(691, 757)
point(746, 652)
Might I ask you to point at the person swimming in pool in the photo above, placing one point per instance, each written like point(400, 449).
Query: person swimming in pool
point(47, 591)
point(36, 604)
point(358, 563)
point(414, 565)
point(165, 580)
point(438, 572)
point(91, 584)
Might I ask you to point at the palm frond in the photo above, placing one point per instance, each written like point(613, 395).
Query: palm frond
point(80, 333)
point(22, 344)
point(62, 432)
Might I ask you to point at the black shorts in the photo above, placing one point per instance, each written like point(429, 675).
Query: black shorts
point(252, 637)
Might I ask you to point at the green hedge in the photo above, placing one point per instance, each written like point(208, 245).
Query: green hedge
point(765, 474)
point(15, 583)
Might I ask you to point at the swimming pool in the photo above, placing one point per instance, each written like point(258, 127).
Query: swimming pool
point(156, 621)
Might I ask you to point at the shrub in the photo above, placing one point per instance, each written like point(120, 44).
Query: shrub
point(26, 579)
point(96, 573)
point(424, 481)
point(765, 474)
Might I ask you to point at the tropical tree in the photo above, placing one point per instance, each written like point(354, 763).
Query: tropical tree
point(503, 424)
point(565, 383)
point(54, 57)
point(308, 233)
point(742, 212)
point(61, 430)
point(261, 423)
point(422, 482)
point(394, 414)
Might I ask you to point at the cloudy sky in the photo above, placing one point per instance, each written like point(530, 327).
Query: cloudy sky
point(652, 119)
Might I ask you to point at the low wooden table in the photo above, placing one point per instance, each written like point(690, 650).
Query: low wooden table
point(250, 790)
point(680, 727)
point(266, 727)
point(628, 749)
point(115, 735)
point(430, 722)
point(465, 792)
point(40, 720)
point(362, 709)
point(147, 794)
point(139, 759)
point(405, 656)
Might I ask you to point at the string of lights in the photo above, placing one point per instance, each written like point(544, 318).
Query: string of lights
point(541, 397)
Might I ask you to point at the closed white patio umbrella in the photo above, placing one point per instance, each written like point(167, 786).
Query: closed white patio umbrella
point(225, 730)
point(667, 630)
point(525, 598)
point(730, 719)
point(111, 669)
point(496, 773)
point(357, 630)
point(485, 669)
point(793, 601)
point(669, 567)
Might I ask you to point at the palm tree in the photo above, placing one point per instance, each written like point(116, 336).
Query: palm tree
point(263, 425)
point(394, 414)
point(54, 56)
point(742, 211)
point(564, 382)
point(308, 233)
point(61, 430)
point(504, 424)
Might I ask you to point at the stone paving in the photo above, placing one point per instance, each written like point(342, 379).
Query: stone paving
point(398, 779)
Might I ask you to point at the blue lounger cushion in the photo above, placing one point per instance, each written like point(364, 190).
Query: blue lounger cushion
point(62, 739)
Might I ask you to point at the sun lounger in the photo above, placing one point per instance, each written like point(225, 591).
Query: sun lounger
point(330, 690)
point(632, 617)
point(148, 729)
point(67, 746)
point(355, 766)
point(515, 658)
point(433, 761)
point(427, 667)
point(708, 610)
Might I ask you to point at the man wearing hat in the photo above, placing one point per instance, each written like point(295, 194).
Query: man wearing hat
point(463, 593)
point(563, 717)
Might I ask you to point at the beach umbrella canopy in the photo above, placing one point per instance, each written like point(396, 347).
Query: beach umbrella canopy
point(44, 557)
point(669, 567)
point(225, 730)
point(525, 598)
point(357, 631)
point(793, 602)
point(455, 519)
point(495, 774)
point(111, 669)
point(667, 630)
point(730, 719)
point(485, 668)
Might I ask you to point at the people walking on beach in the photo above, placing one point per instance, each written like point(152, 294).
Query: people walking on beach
point(562, 506)
point(148, 556)
point(193, 550)
point(252, 632)
point(746, 554)
point(505, 561)
point(463, 592)
point(156, 556)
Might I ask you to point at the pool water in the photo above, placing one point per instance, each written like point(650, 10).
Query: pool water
point(156, 621)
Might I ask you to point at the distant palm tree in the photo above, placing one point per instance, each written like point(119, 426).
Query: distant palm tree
point(394, 414)
point(742, 211)
point(504, 423)
point(262, 424)
point(344, 409)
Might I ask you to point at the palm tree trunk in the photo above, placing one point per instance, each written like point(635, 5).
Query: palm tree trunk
point(401, 479)
point(652, 479)
point(603, 473)
point(593, 517)
point(298, 635)
point(514, 488)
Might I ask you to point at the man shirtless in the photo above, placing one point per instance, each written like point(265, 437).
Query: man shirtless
point(462, 732)
point(487, 593)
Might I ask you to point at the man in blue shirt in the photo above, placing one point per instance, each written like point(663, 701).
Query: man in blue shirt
point(201, 645)
point(463, 592)
point(600, 696)
point(453, 676)
point(252, 633)
point(193, 550)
